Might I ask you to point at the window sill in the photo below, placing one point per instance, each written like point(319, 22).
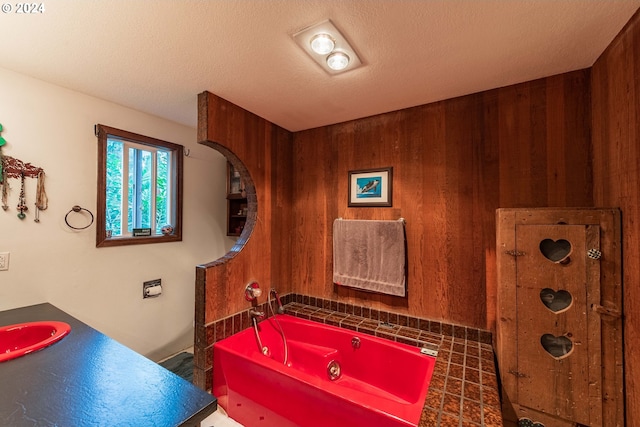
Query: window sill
point(125, 241)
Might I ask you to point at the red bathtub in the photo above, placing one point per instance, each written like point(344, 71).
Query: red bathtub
point(376, 382)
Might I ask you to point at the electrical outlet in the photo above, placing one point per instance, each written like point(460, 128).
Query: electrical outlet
point(4, 261)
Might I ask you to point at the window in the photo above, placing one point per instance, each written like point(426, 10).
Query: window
point(139, 189)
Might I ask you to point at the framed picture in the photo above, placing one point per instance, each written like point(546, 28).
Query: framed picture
point(370, 187)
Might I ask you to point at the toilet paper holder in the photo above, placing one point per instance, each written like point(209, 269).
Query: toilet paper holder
point(152, 288)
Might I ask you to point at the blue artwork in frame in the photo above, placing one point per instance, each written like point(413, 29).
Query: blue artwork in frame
point(370, 187)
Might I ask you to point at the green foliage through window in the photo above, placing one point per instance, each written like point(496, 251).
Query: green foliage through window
point(142, 186)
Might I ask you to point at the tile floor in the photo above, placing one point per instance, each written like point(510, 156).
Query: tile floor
point(219, 419)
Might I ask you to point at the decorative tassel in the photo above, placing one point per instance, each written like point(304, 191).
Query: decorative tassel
point(22, 204)
point(5, 188)
point(42, 202)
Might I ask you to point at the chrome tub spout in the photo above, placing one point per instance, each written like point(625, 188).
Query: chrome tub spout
point(256, 315)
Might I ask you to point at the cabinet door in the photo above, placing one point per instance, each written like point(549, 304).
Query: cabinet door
point(558, 334)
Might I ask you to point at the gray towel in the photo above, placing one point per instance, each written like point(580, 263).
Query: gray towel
point(370, 255)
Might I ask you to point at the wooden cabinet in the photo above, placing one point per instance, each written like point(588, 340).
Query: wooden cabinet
point(236, 202)
point(559, 330)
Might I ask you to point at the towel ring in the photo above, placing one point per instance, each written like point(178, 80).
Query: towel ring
point(77, 208)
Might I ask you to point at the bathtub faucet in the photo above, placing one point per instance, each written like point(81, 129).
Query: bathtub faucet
point(275, 294)
point(256, 315)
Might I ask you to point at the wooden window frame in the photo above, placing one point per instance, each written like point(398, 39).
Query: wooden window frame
point(102, 240)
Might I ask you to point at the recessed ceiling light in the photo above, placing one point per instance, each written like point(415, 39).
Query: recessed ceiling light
point(338, 61)
point(322, 44)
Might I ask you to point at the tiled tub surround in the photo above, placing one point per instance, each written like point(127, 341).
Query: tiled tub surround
point(464, 386)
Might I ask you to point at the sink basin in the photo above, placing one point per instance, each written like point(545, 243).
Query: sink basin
point(24, 338)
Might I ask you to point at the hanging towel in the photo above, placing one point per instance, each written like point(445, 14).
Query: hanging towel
point(370, 255)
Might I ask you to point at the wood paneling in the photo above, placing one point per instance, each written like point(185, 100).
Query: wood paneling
point(455, 162)
point(261, 152)
point(616, 152)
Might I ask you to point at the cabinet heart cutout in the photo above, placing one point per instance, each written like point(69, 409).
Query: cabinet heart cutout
point(555, 250)
point(555, 301)
point(558, 347)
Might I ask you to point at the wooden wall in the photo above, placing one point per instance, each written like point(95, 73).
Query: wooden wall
point(616, 153)
point(262, 153)
point(454, 163)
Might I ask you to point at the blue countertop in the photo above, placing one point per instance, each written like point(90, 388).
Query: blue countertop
point(89, 379)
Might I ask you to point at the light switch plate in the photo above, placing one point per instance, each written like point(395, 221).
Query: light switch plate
point(4, 261)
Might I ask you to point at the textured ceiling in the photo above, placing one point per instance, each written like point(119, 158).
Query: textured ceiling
point(157, 55)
